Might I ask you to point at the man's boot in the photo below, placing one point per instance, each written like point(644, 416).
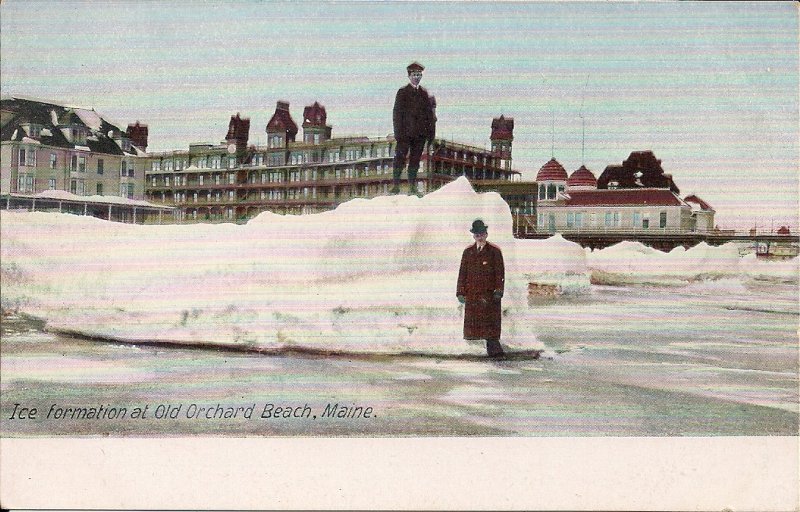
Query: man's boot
point(412, 183)
point(396, 188)
point(493, 348)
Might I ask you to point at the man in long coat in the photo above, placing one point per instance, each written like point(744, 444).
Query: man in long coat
point(414, 125)
point(481, 280)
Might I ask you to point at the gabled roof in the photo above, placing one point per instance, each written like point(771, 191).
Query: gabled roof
point(52, 116)
point(281, 121)
point(694, 200)
point(623, 197)
point(641, 170)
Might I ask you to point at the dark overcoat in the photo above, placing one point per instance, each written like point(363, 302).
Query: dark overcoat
point(481, 274)
point(413, 114)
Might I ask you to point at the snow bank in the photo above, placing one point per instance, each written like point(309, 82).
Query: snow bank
point(554, 264)
point(635, 263)
point(371, 276)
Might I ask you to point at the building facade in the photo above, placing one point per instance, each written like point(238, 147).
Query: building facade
point(636, 197)
point(45, 146)
point(233, 181)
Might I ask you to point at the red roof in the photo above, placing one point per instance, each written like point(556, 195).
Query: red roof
point(282, 120)
point(552, 171)
point(624, 197)
point(314, 115)
point(699, 202)
point(583, 177)
point(502, 128)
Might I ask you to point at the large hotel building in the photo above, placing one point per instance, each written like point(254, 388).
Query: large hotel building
point(71, 160)
point(234, 181)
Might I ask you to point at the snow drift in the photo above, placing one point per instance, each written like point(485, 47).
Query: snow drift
point(635, 263)
point(371, 276)
point(375, 276)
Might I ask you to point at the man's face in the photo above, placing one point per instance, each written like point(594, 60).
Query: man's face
point(480, 237)
point(415, 77)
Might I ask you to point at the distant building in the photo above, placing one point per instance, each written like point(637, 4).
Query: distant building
point(521, 199)
point(68, 159)
point(635, 197)
point(46, 146)
point(234, 181)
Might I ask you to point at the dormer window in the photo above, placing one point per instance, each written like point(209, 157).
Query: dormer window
point(34, 130)
point(126, 144)
point(78, 135)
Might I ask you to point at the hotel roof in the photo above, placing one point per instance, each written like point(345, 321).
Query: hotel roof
point(583, 177)
point(552, 171)
point(623, 197)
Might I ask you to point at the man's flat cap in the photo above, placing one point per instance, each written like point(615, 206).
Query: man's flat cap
point(415, 66)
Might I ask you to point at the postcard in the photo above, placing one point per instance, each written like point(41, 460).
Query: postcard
point(395, 255)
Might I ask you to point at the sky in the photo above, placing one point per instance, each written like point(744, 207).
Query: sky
point(710, 88)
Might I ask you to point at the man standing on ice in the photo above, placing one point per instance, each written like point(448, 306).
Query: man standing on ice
point(481, 280)
point(414, 125)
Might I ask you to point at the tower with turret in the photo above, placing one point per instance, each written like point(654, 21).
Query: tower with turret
point(315, 129)
point(502, 137)
point(237, 136)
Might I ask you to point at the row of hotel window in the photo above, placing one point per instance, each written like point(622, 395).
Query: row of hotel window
point(275, 177)
point(610, 220)
point(280, 195)
point(194, 215)
point(295, 158)
point(265, 195)
point(27, 158)
point(26, 183)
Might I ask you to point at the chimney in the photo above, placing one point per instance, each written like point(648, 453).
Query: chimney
point(138, 135)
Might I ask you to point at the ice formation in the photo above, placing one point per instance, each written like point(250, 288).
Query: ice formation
point(373, 276)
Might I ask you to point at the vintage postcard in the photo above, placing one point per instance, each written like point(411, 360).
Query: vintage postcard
point(537, 255)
